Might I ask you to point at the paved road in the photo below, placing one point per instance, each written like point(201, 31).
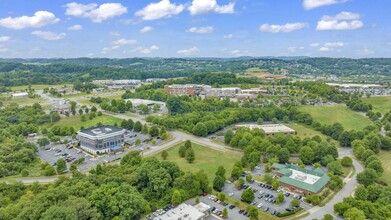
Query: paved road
point(350, 185)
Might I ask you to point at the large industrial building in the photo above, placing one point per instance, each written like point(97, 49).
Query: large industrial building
point(301, 180)
point(184, 211)
point(101, 139)
point(270, 129)
point(187, 89)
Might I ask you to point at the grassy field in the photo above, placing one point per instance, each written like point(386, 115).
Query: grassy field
point(21, 101)
point(77, 123)
point(303, 132)
point(380, 104)
point(385, 158)
point(207, 159)
point(337, 113)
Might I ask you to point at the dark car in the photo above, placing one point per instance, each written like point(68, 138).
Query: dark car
point(245, 213)
point(241, 211)
point(232, 207)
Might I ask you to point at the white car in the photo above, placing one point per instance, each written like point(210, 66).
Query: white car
point(259, 205)
point(231, 194)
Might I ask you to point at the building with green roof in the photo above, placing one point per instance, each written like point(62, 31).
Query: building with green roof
point(299, 179)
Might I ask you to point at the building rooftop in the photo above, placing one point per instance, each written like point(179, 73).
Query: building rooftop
point(101, 130)
point(310, 180)
point(20, 94)
point(270, 128)
point(182, 212)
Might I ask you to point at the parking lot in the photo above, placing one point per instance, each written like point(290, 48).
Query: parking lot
point(264, 194)
point(53, 152)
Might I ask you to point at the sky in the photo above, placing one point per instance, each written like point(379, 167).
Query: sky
point(194, 28)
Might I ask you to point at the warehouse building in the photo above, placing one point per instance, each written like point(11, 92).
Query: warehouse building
point(270, 129)
point(101, 139)
point(301, 180)
point(187, 212)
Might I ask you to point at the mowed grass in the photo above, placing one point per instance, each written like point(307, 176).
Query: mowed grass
point(206, 159)
point(76, 122)
point(22, 101)
point(385, 158)
point(331, 114)
point(380, 104)
point(303, 132)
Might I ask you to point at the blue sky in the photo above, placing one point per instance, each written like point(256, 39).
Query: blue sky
point(195, 28)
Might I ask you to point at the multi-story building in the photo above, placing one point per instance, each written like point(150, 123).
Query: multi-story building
point(187, 89)
point(222, 92)
point(62, 107)
point(101, 139)
point(119, 84)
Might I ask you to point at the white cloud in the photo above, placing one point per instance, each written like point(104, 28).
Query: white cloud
point(335, 44)
point(311, 4)
point(5, 38)
point(189, 51)
point(146, 29)
point(39, 19)
point(201, 30)
point(365, 52)
point(332, 46)
point(75, 27)
point(207, 6)
point(97, 13)
point(115, 34)
point(314, 45)
point(342, 21)
point(158, 10)
point(122, 42)
point(325, 49)
point(47, 35)
point(295, 49)
point(146, 50)
point(289, 27)
point(229, 36)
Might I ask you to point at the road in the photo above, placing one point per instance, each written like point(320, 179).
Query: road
point(350, 185)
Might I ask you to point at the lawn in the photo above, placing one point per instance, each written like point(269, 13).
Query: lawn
point(22, 101)
point(385, 158)
point(303, 132)
point(207, 159)
point(77, 123)
point(331, 114)
point(380, 104)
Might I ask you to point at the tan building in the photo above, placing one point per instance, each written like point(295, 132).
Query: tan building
point(187, 89)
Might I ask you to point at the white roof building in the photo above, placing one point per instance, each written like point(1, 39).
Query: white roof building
point(185, 212)
point(270, 129)
point(20, 95)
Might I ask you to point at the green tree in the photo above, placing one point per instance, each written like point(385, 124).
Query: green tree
point(295, 203)
point(240, 182)
point(200, 129)
point(228, 135)
point(377, 166)
point(187, 144)
point(154, 131)
point(341, 207)
point(236, 172)
point(225, 213)
point(59, 213)
point(138, 126)
point(145, 129)
point(218, 183)
point(354, 214)
point(275, 184)
point(190, 156)
point(182, 151)
point(249, 177)
point(361, 193)
point(137, 142)
point(268, 179)
point(176, 198)
point(346, 161)
point(197, 200)
point(328, 217)
point(42, 142)
point(220, 171)
point(61, 165)
point(335, 166)
point(164, 154)
point(367, 177)
point(274, 120)
point(260, 120)
point(49, 171)
point(306, 155)
point(73, 167)
point(253, 212)
point(280, 198)
point(248, 195)
point(222, 197)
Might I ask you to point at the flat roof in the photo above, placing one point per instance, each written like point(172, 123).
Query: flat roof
point(271, 128)
point(20, 94)
point(182, 212)
point(310, 180)
point(101, 130)
point(136, 102)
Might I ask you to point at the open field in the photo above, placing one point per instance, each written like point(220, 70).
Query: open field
point(327, 114)
point(77, 123)
point(303, 132)
point(380, 104)
point(207, 159)
point(21, 101)
point(36, 87)
point(385, 158)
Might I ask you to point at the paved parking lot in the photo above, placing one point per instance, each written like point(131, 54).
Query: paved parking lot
point(260, 194)
point(51, 156)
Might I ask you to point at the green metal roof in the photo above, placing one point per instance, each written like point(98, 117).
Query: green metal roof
point(286, 172)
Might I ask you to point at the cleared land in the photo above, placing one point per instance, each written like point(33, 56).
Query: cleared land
point(207, 159)
point(303, 132)
point(385, 158)
point(330, 114)
point(36, 87)
point(76, 122)
point(380, 104)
